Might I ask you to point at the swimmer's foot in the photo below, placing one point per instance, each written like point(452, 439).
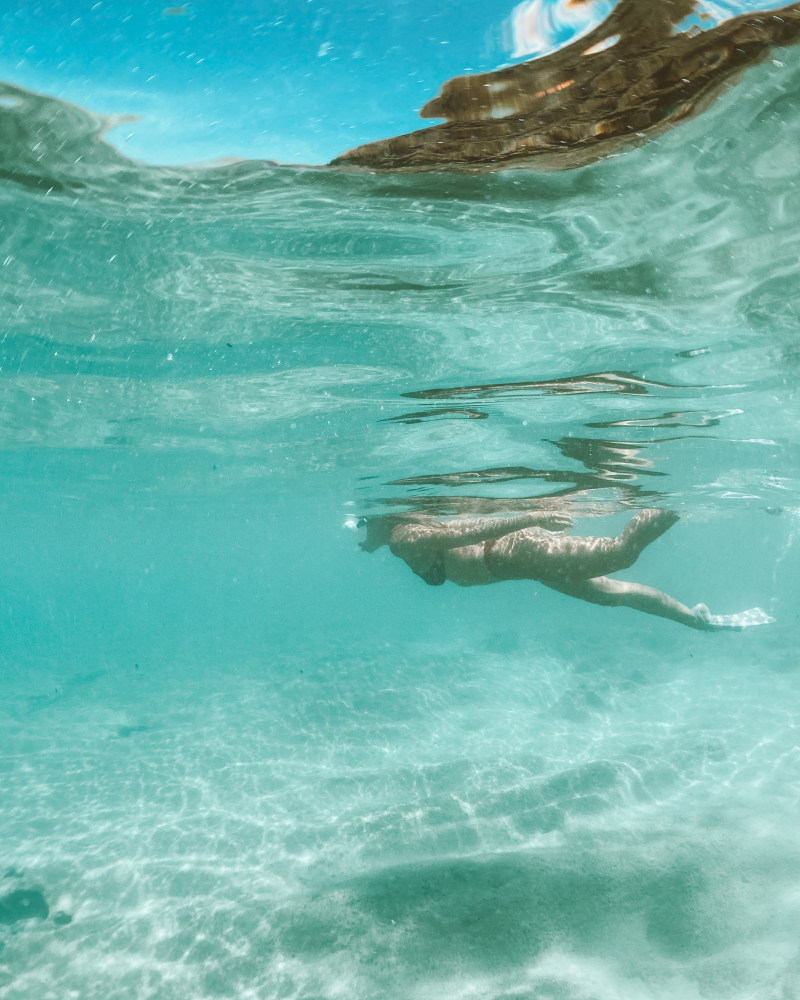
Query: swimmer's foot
point(648, 525)
point(718, 623)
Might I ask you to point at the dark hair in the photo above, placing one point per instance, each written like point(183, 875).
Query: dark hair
point(379, 528)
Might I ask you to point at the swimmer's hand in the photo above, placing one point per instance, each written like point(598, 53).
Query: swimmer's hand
point(555, 521)
point(718, 623)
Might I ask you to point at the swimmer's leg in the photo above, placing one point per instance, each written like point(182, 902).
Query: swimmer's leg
point(608, 555)
point(646, 527)
point(538, 555)
point(619, 593)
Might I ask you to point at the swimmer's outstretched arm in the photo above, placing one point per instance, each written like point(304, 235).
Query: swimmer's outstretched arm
point(470, 531)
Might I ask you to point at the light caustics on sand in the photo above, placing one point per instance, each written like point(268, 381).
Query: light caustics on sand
point(643, 69)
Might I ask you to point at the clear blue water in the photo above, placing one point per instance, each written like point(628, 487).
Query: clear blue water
point(247, 759)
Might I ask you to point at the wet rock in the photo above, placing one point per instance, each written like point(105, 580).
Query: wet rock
point(629, 79)
point(23, 904)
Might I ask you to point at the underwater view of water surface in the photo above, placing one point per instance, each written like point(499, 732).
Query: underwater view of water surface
point(243, 757)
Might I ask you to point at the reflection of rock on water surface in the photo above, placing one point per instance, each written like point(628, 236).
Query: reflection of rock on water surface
point(623, 82)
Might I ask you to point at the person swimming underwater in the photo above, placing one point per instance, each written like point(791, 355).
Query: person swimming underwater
point(535, 546)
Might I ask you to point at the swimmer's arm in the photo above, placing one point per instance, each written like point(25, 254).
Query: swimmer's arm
point(437, 535)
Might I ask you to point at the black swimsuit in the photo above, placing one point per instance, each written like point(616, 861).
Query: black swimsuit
point(435, 575)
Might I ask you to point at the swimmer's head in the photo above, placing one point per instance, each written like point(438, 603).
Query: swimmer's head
point(358, 526)
point(375, 531)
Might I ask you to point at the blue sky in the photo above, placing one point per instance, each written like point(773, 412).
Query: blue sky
point(293, 80)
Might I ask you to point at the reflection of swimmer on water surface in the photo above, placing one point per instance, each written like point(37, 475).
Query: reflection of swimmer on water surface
point(535, 546)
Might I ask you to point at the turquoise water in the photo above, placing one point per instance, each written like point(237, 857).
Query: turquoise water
point(240, 757)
